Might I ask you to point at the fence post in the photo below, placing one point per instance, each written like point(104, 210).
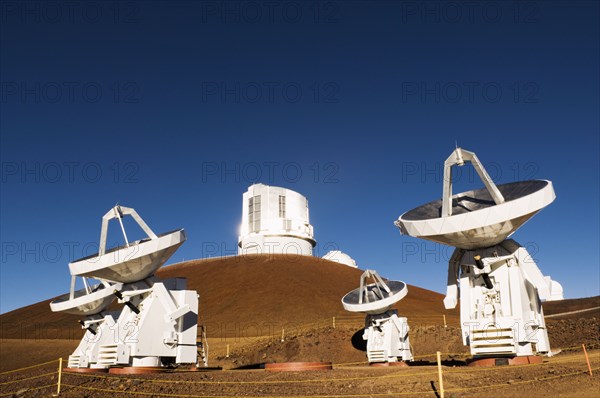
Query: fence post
point(282, 335)
point(439, 364)
point(59, 376)
point(334, 322)
point(445, 324)
point(227, 355)
point(587, 359)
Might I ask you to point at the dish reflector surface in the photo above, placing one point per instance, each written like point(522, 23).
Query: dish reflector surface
point(86, 304)
point(130, 264)
point(375, 300)
point(476, 220)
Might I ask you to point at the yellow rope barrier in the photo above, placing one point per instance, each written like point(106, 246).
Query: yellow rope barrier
point(328, 380)
point(28, 367)
point(403, 373)
point(27, 378)
point(475, 369)
point(518, 382)
point(387, 394)
point(511, 367)
point(335, 396)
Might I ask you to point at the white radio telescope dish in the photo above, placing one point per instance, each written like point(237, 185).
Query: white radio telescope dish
point(88, 301)
point(135, 260)
point(479, 218)
point(385, 332)
point(164, 313)
point(476, 220)
point(495, 278)
point(376, 297)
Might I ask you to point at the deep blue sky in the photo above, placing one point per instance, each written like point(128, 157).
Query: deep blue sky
point(353, 104)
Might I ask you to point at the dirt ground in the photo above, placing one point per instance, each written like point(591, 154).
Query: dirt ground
point(250, 323)
point(344, 345)
point(562, 375)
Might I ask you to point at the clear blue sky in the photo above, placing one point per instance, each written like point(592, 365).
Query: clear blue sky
point(176, 108)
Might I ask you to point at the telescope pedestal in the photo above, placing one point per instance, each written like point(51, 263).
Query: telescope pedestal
point(387, 338)
point(156, 327)
point(500, 290)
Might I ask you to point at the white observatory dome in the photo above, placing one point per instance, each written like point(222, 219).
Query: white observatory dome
point(340, 257)
point(275, 220)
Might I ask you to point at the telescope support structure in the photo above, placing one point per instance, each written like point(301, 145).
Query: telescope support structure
point(387, 337)
point(499, 284)
point(385, 332)
point(156, 325)
point(500, 290)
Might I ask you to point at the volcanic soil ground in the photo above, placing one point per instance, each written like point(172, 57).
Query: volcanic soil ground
point(256, 306)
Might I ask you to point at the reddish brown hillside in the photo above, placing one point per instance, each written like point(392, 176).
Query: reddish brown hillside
point(588, 307)
point(556, 307)
point(243, 296)
point(261, 291)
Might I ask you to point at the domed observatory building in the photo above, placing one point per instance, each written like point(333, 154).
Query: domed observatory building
point(275, 220)
point(340, 257)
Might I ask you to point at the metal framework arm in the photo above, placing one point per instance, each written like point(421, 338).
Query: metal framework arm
point(379, 283)
point(458, 158)
point(118, 212)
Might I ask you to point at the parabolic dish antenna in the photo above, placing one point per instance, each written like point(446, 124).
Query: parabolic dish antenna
point(497, 281)
point(87, 301)
point(374, 298)
point(479, 218)
point(132, 262)
point(385, 332)
point(164, 313)
point(476, 221)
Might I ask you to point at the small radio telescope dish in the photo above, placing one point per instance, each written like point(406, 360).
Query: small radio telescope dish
point(479, 218)
point(386, 333)
point(132, 262)
point(374, 298)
